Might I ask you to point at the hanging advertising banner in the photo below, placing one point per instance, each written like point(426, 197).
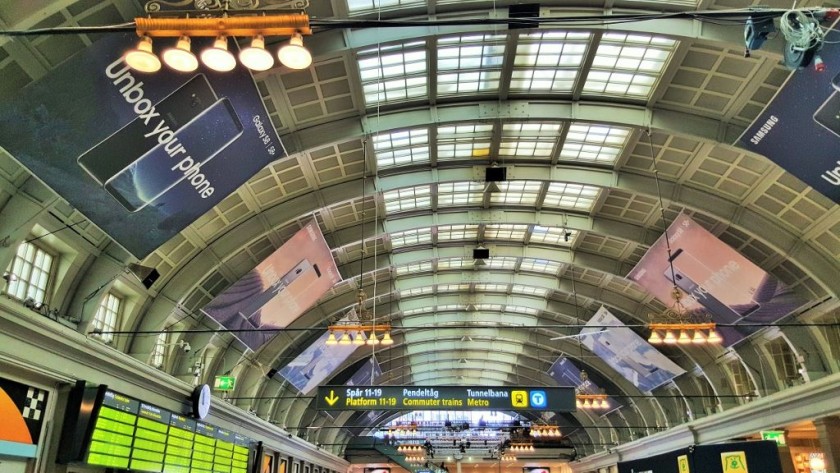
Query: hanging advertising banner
point(567, 374)
point(23, 410)
point(628, 353)
point(279, 289)
point(142, 155)
point(715, 280)
point(318, 361)
point(800, 128)
point(367, 374)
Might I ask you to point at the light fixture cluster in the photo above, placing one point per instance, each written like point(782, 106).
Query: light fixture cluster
point(359, 335)
point(403, 429)
point(411, 448)
point(684, 333)
point(366, 325)
point(415, 458)
point(521, 447)
point(507, 457)
point(592, 401)
point(218, 57)
point(676, 326)
point(545, 431)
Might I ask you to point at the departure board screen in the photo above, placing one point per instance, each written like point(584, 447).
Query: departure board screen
point(130, 434)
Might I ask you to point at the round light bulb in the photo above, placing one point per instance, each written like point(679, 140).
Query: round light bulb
point(218, 57)
point(293, 55)
point(255, 57)
point(142, 58)
point(180, 57)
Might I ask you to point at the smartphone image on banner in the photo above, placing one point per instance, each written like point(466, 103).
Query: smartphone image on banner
point(731, 304)
point(828, 115)
point(300, 270)
point(125, 145)
point(152, 174)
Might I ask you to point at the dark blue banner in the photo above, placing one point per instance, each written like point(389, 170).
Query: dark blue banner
point(800, 128)
point(141, 155)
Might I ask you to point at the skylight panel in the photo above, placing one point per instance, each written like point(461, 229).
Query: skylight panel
point(361, 6)
point(416, 291)
point(401, 147)
point(454, 263)
point(528, 290)
point(628, 65)
point(505, 231)
point(464, 141)
point(491, 287)
point(489, 307)
point(410, 198)
point(540, 266)
point(421, 267)
point(394, 73)
point(517, 193)
point(594, 143)
point(501, 262)
point(460, 193)
point(453, 288)
point(521, 309)
point(470, 63)
point(548, 61)
point(448, 308)
point(528, 140)
point(553, 235)
point(571, 196)
point(419, 310)
point(457, 232)
point(417, 236)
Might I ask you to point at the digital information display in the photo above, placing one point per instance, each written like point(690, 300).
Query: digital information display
point(409, 398)
point(129, 434)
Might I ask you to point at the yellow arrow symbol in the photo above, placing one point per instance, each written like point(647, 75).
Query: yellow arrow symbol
point(332, 398)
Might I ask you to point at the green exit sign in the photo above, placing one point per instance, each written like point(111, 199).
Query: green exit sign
point(777, 436)
point(224, 383)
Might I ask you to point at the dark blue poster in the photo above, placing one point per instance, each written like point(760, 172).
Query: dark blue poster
point(800, 128)
point(367, 375)
point(141, 155)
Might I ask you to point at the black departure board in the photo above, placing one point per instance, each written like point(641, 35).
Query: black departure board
point(130, 434)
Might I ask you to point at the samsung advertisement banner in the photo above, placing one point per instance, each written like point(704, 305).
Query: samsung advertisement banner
point(141, 155)
point(715, 280)
point(318, 361)
point(367, 375)
point(800, 129)
point(627, 352)
point(279, 289)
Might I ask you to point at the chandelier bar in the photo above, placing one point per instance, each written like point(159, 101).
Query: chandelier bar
point(285, 24)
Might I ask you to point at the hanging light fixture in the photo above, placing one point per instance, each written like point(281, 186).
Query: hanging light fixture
point(141, 58)
point(255, 57)
point(366, 319)
point(218, 57)
point(331, 340)
point(293, 55)
point(345, 339)
point(180, 57)
point(676, 318)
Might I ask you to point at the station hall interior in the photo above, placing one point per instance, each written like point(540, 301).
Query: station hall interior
point(425, 236)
